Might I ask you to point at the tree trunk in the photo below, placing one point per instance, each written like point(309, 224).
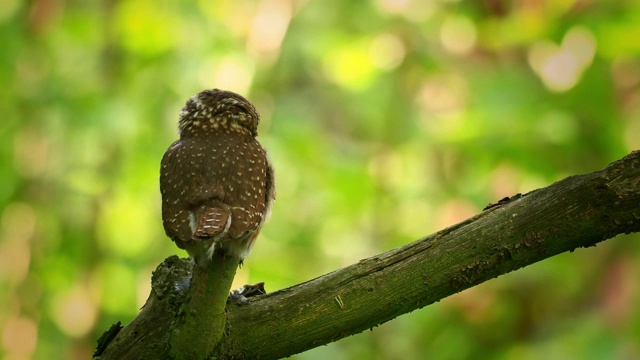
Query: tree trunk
point(578, 211)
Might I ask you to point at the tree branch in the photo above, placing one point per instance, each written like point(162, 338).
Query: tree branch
point(202, 316)
point(579, 211)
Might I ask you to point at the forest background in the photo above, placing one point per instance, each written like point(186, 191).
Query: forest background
point(386, 121)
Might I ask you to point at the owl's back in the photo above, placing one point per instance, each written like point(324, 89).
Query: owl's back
point(229, 171)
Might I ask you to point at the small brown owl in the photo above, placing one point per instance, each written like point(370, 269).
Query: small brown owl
point(216, 181)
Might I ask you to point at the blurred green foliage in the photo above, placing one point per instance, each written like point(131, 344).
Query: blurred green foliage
point(386, 121)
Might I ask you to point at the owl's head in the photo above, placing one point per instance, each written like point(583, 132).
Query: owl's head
point(218, 111)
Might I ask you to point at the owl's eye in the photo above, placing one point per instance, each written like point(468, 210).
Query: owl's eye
point(231, 105)
point(240, 109)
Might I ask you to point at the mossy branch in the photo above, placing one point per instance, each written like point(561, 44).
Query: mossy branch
point(202, 316)
point(579, 211)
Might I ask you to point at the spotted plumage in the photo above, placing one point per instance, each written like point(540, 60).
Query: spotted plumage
point(216, 181)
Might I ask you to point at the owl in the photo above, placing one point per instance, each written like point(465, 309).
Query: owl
point(216, 181)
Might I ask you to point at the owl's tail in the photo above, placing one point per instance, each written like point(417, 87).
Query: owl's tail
point(210, 222)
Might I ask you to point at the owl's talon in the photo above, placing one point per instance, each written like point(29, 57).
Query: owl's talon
point(239, 296)
point(237, 299)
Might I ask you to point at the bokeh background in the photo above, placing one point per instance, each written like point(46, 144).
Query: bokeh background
point(386, 120)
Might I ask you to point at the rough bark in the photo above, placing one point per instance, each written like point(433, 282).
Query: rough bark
point(579, 211)
point(191, 337)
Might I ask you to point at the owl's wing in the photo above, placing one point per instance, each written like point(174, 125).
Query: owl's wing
point(270, 189)
point(175, 217)
point(249, 217)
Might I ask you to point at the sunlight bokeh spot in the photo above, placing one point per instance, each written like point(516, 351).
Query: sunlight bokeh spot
point(19, 337)
point(233, 72)
point(505, 180)
point(18, 222)
point(17, 227)
point(387, 51)
point(443, 94)
point(15, 258)
point(31, 152)
point(395, 6)
point(350, 65)
point(147, 27)
point(560, 67)
point(458, 34)
point(454, 211)
point(74, 311)
point(269, 26)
